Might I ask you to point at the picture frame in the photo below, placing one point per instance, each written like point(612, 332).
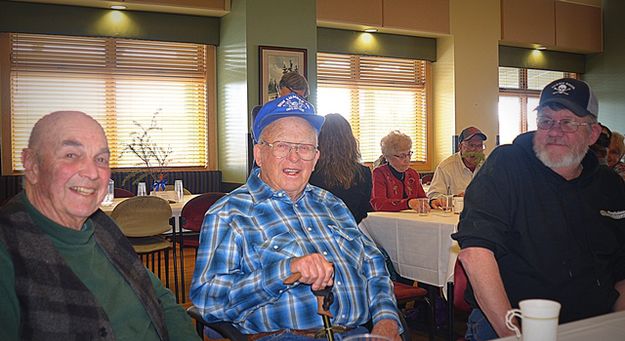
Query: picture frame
point(274, 61)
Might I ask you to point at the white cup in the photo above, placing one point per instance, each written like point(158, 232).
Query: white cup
point(179, 190)
point(540, 320)
point(458, 204)
point(141, 190)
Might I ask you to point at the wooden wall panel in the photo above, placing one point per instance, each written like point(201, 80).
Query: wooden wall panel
point(361, 12)
point(578, 27)
point(417, 15)
point(528, 21)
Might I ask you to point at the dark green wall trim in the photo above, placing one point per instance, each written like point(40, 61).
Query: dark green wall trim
point(375, 44)
point(545, 60)
point(84, 21)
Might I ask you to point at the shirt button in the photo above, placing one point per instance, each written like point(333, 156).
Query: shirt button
point(325, 253)
point(338, 283)
point(309, 228)
point(275, 247)
point(281, 291)
point(343, 316)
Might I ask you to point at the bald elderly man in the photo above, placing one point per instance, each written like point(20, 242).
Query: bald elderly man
point(68, 273)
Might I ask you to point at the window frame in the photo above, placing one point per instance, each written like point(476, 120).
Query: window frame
point(6, 147)
point(524, 93)
point(428, 99)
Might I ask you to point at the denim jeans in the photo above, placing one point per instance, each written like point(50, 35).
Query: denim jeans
point(478, 327)
point(291, 337)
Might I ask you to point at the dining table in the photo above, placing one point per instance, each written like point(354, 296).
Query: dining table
point(603, 327)
point(419, 246)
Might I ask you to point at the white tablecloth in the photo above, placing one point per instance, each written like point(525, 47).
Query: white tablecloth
point(420, 247)
point(601, 328)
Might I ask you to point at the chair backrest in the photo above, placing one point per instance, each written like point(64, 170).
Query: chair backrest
point(171, 188)
point(194, 210)
point(426, 179)
point(460, 284)
point(142, 216)
point(122, 193)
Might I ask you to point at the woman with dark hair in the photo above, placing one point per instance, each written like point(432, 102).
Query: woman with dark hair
point(339, 170)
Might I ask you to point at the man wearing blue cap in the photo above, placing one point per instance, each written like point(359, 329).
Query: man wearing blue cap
point(541, 219)
point(277, 225)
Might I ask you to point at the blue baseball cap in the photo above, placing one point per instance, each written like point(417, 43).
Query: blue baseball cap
point(285, 106)
point(574, 94)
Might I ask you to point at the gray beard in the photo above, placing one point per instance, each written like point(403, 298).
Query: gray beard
point(571, 159)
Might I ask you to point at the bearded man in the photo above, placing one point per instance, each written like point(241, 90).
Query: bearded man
point(453, 175)
point(542, 220)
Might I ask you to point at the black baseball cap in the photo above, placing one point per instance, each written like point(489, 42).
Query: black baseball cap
point(574, 94)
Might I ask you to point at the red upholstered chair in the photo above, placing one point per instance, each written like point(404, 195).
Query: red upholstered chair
point(191, 218)
point(455, 293)
point(193, 215)
point(122, 193)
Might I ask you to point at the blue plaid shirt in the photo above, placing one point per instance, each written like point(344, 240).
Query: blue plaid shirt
point(247, 242)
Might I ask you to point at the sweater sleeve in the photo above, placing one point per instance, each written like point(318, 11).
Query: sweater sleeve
point(179, 324)
point(379, 197)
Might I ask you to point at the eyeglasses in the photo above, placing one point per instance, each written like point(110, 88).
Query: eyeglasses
point(403, 155)
point(566, 125)
point(474, 146)
point(281, 149)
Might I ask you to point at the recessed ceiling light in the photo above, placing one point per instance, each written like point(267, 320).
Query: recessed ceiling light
point(541, 48)
point(371, 30)
point(118, 7)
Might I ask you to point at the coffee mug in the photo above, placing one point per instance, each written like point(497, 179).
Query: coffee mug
point(540, 320)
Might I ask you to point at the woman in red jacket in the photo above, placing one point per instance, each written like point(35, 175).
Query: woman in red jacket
point(395, 185)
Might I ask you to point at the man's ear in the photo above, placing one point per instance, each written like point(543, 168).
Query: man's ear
point(594, 134)
point(257, 154)
point(31, 165)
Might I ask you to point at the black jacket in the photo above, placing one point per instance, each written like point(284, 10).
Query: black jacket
point(552, 238)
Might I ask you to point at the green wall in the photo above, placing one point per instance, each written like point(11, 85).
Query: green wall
point(249, 24)
point(85, 21)
point(606, 71)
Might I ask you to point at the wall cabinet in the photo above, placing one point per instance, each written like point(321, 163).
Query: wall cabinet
point(578, 27)
point(431, 16)
point(557, 25)
point(407, 16)
point(358, 12)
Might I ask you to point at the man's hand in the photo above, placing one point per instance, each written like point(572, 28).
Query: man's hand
point(387, 328)
point(436, 204)
point(315, 270)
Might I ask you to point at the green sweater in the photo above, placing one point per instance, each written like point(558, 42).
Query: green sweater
point(128, 317)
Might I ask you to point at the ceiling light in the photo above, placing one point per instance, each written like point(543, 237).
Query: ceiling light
point(118, 7)
point(371, 30)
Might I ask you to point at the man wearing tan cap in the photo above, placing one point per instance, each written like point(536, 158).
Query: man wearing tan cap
point(452, 176)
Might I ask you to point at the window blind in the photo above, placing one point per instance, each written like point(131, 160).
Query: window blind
point(376, 95)
point(121, 83)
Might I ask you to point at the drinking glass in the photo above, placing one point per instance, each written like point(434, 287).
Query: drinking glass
point(141, 190)
point(423, 206)
point(366, 337)
point(110, 193)
point(447, 203)
point(179, 190)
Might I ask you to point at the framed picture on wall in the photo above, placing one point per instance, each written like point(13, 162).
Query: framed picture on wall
point(273, 63)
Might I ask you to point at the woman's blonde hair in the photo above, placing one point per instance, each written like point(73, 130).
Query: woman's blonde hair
point(618, 139)
point(391, 144)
